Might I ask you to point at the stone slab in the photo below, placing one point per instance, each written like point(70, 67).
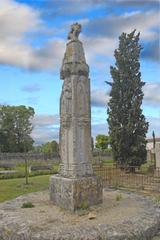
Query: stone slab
point(75, 193)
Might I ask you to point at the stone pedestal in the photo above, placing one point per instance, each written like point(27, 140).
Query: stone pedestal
point(75, 193)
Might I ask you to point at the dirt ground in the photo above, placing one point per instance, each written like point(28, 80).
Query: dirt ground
point(117, 207)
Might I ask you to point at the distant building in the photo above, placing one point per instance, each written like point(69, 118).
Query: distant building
point(151, 151)
point(150, 143)
point(157, 151)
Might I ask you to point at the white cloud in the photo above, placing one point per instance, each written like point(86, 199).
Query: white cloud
point(42, 120)
point(127, 22)
point(41, 136)
point(46, 128)
point(151, 93)
point(17, 22)
point(154, 125)
point(48, 57)
point(16, 19)
point(101, 40)
point(101, 128)
point(99, 98)
point(98, 45)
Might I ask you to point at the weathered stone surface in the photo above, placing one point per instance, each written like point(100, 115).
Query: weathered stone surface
point(135, 217)
point(76, 193)
point(75, 110)
point(75, 185)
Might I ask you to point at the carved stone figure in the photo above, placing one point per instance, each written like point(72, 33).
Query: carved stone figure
point(75, 182)
point(75, 31)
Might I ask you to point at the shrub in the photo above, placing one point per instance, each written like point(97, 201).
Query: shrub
point(84, 205)
point(27, 205)
point(157, 199)
point(118, 197)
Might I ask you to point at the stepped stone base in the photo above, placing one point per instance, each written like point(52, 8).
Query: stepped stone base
point(75, 193)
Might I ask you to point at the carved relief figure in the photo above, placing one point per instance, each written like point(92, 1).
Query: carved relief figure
point(82, 108)
point(66, 98)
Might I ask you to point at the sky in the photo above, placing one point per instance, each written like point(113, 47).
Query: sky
point(33, 37)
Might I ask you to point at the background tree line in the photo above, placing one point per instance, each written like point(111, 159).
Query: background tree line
point(15, 131)
point(15, 128)
point(48, 148)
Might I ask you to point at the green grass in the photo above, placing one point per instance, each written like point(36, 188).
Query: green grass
point(157, 199)
point(108, 162)
point(118, 197)
point(12, 188)
point(21, 171)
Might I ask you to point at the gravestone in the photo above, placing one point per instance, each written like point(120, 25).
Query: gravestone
point(157, 151)
point(75, 186)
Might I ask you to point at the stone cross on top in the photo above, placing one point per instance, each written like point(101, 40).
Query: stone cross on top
point(75, 31)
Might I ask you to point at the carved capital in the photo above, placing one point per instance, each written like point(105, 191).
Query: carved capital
point(65, 121)
point(83, 121)
point(68, 69)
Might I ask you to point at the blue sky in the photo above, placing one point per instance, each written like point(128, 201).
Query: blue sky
point(32, 43)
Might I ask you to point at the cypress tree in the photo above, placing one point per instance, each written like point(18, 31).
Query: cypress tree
point(127, 124)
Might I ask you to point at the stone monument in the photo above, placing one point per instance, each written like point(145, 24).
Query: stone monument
point(75, 186)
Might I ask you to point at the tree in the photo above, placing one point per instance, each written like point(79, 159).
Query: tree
point(50, 147)
point(127, 124)
point(102, 142)
point(154, 146)
point(15, 128)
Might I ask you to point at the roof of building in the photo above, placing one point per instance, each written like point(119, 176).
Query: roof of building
point(151, 140)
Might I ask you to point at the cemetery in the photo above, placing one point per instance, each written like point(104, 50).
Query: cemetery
point(77, 197)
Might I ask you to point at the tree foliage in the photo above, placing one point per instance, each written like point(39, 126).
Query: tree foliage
point(15, 128)
point(49, 147)
point(127, 124)
point(102, 142)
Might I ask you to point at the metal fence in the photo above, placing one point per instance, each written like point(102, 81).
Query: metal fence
point(98, 157)
point(129, 177)
point(143, 178)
